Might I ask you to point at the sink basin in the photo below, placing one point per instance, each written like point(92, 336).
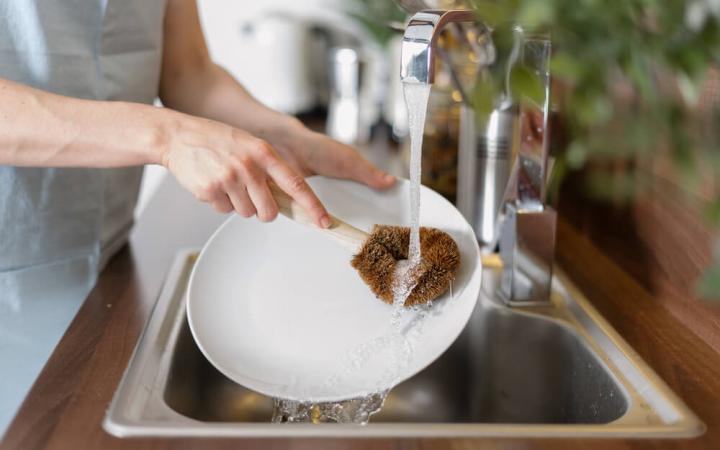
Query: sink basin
point(555, 370)
point(506, 368)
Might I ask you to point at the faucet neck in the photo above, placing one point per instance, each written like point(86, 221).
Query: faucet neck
point(418, 44)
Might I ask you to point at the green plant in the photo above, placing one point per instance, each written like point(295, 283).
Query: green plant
point(377, 16)
point(632, 73)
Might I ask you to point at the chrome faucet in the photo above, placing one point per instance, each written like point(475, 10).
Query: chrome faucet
point(417, 54)
point(526, 228)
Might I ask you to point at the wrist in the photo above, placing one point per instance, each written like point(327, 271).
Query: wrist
point(167, 124)
point(282, 130)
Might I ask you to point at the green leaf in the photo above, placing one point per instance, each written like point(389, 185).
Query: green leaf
point(592, 109)
point(526, 85)
point(565, 66)
point(495, 12)
point(576, 154)
point(628, 74)
point(484, 95)
point(535, 12)
point(374, 16)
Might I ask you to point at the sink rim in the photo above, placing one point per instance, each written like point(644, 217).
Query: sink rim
point(138, 407)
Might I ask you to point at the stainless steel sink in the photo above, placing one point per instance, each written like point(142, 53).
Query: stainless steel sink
point(556, 370)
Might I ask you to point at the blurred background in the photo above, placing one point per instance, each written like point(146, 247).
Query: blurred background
point(633, 117)
point(310, 58)
point(335, 64)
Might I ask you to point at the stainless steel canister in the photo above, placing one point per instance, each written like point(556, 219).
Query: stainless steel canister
point(346, 122)
point(484, 163)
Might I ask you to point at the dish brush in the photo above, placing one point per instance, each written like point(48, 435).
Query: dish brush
point(376, 254)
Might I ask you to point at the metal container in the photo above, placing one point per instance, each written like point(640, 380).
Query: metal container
point(484, 162)
point(345, 120)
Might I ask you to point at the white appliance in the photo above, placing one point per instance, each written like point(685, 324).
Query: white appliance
point(274, 49)
point(279, 49)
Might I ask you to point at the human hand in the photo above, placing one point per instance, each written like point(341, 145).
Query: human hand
point(230, 169)
point(312, 153)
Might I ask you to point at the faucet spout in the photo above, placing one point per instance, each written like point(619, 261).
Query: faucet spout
point(417, 54)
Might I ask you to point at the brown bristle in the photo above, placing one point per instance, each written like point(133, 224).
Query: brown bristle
point(378, 258)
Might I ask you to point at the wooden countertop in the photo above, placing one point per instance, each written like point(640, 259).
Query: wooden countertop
point(66, 406)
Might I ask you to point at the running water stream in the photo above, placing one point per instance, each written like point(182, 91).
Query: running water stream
point(416, 99)
point(396, 340)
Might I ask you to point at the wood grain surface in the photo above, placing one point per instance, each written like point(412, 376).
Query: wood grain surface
point(660, 239)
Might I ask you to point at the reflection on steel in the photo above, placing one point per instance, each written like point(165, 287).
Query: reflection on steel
point(344, 121)
point(527, 230)
point(417, 54)
point(484, 159)
point(550, 370)
point(527, 246)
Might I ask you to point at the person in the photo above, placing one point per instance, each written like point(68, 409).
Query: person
point(77, 82)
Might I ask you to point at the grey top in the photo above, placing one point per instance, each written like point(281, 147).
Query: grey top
point(92, 49)
point(58, 226)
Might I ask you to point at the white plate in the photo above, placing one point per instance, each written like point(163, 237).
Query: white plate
point(278, 308)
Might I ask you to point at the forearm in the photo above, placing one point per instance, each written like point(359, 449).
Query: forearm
point(229, 160)
point(40, 129)
point(207, 90)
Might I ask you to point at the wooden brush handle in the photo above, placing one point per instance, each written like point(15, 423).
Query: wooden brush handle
point(350, 237)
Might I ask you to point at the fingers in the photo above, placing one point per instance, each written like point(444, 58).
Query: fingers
point(222, 204)
point(248, 192)
point(235, 177)
point(366, 172)
point(339, 160)
point(263, 200)
point(295, 186)
point(241, 202)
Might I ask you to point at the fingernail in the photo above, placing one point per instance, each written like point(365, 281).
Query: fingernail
point(325, 221)
point(388, 178)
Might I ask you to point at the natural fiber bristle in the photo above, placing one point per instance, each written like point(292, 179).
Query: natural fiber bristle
point(377, 259)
